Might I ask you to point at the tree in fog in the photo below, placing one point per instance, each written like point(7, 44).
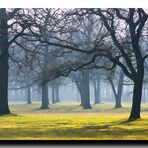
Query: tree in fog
point(79, 41)
point(17, 26)
point(113, 76)
point(82, 80)
point(13, 24)
point(126, 28)
point(42, 61)
point(125, 53)
point(21, 71)
point(84, 37)
point(55, 86)
point(130, 51)
point(117, 38)
point(96, 75)
point(97, 96)
point(4, 45)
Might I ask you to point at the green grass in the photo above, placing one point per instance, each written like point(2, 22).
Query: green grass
point(69, 121)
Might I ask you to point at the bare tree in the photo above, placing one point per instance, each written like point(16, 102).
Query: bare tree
point(130, 51)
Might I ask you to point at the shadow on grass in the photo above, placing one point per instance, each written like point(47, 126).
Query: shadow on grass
point(115, 123)
point(81, 133)
point(111, 130)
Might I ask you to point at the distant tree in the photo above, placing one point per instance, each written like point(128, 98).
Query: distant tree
point(96, 84)
point(55, 90)
point(28, 92)
point(117, 91)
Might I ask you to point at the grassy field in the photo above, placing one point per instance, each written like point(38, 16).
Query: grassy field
point(66, 121)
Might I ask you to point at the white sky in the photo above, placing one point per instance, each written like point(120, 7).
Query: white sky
point(73, 3)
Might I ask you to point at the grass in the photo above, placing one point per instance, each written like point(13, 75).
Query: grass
point(66, 121)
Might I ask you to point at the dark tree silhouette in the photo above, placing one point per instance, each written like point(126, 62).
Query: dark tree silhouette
point(134, 20)
point(4, 56)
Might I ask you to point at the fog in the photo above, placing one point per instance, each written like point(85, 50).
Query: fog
point(70, 93)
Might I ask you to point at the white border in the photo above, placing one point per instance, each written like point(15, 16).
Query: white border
point(73, 3)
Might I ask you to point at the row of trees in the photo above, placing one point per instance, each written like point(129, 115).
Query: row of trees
point(79, 39)
point(76, 79)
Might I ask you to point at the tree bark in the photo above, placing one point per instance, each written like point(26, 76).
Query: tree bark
point(4, 109)
point(4, 57)
point(83, 87)
point(137, 94)
point(85, 97)
point(45, 100)
point(29, 95)
point(97, 91)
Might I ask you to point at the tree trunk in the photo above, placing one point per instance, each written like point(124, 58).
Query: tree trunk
point(45, 100)
point(28, 95)
point(55, 91)
point(85, 97)
point(83, 87)
point(57, 98)
point(114, 92)
point(4, 109)
point(97, 91)
point(118, 102)
point(53, 94)
point(81, 98)
point(137, 94)
point(119, 91)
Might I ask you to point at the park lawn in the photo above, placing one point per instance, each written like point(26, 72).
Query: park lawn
point(59, 123)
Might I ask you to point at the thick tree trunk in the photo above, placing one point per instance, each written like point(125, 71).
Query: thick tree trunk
point(85, 97)
point(45, 100)
point(97, 91)
point(4, 109)
point(83, 87)
point(29, 95)
point(137, 94)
